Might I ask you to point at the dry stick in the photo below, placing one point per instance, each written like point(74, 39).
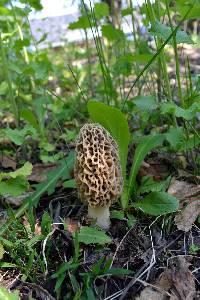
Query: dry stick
point(144, 269)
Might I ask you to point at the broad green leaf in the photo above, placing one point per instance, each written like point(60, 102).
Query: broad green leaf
point(194, 11)
point(162, 31)
point(179, 112)
point(147, 144)
point(5, 295)
point(14, 186)
point(115, 122)
point(127, 11)
point(175, 136)
point(117, 214)
point(17, 136)
point(81, 23)
point(69, 184)
point(90, 235)
point(112, 34)
point(149, 185)
point(145, 103)
point(101, 10)
point(30, 117)
point(158, 203)
point(25, 171)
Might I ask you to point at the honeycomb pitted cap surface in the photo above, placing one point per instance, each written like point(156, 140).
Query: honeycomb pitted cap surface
point(97, 168)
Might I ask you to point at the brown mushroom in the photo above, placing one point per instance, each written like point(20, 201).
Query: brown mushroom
point(97, 172)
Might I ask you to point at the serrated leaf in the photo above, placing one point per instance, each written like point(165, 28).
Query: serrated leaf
point(112, 34)
point(162, 31)
point(158, 203)
point(24, 171)
point(115, 122)
point(101, 10)
point(149, 185)
point(117, 214)
point(145, 103)
point(14, 186)
point(81, 23)
point(90, 235)
point(175, 136)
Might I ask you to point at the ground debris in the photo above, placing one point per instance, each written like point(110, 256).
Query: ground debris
point(175, 283)
point(187, 216)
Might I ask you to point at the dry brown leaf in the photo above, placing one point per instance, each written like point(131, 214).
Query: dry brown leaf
point(16, 200)
point(183, 191)
point(39, 172)
point(7, 162)
point(187, 216)
point(183, 281)
point(148, 293)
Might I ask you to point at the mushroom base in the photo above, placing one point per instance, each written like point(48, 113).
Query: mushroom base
point(101, 215)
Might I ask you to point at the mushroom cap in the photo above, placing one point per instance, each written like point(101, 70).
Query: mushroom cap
point(97, 167)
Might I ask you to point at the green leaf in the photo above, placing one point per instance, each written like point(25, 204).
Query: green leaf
point(5, 295)
point(115, 122)
point(179, 112)
point(112, 34)
point(101, 10)
point(14, 186)
point(175, 136)
point(127, 11)
point(147, 144)
point(157, 204)
point(81, 23)
point(162, 31)
point(194, 11)
point(90, 235)
point(117, 214)
point(69, 184)
point(119, 272)
point(62, 172)
point(46, 224)
point(25, 171)
point(149, 185)
point(17, 136)
point(145, 103)
point(30, 117)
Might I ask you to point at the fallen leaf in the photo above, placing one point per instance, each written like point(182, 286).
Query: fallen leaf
point(183, 281)
point(183, 190)
point(39, 172)
point(16, 200)
point(185, 218)
point(148, 293)
point(7, 162)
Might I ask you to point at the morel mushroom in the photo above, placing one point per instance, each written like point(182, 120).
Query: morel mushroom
point(97, 172)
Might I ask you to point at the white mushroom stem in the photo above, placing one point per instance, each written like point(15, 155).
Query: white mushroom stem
point(101, 215)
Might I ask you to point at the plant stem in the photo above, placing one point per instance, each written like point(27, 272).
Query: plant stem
point(9, 82)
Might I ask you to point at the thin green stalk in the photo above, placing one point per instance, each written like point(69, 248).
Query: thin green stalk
point(12, 99)
point(89, 64)
point(176, 57)
point(156, 55)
